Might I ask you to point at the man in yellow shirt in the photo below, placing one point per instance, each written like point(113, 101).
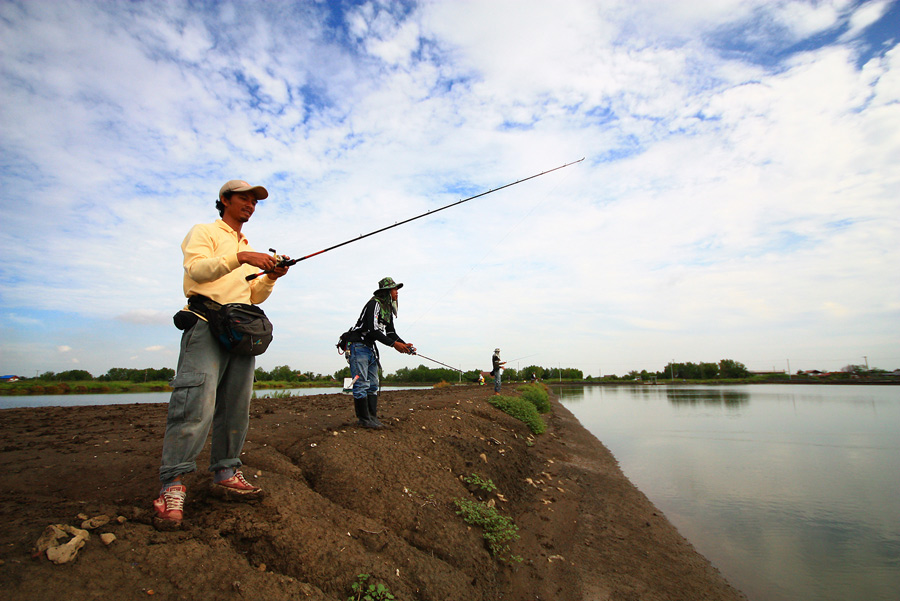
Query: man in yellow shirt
point(212, 387)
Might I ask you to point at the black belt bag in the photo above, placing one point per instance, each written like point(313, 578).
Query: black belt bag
point(240, 329)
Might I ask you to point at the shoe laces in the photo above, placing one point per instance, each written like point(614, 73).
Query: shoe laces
point(241, 479)
point(174, 499)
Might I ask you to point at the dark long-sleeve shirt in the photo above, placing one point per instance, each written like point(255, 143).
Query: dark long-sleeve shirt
point(371, 327)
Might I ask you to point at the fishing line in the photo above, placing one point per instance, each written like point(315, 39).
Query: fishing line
point(283, 262)
point(466, 275)
point(418, 354)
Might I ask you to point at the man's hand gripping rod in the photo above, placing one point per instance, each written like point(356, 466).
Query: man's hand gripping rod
point(280, 261)
point(452, 204)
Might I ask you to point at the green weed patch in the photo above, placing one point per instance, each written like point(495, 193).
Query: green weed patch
point(498, 530)
point(520, 409)
point(537, 395)
point(360, 591)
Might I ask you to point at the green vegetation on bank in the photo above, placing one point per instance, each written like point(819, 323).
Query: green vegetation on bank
point(361, 591)
point(527, 407)
point(497, 529)
point(520, 409)
point(40, 387)
point(537, 395)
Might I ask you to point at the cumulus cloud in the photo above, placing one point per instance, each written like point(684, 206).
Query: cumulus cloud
point(739, 182)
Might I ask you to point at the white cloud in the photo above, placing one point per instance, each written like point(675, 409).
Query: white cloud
point(805, 19)
point(867, 14)
point(22, 320)
point(724, 200)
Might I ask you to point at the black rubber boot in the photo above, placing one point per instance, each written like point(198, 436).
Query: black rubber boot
point(373, 410)
point(362, 413)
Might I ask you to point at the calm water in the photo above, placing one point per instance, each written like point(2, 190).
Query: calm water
point(73, 400)
point(792, 491)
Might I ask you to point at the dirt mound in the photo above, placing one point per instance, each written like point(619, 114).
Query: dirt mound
point(340, 501)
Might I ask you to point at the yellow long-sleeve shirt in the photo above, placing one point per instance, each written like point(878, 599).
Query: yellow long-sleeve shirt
point(211, 266)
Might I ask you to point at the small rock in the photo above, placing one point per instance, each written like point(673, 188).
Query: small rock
point(61, 553)
point(121, 519)
point(95, 522)
point(49, 538)
point(261, 567)
point(107, 538)
point(67, 552)
point(483, 457)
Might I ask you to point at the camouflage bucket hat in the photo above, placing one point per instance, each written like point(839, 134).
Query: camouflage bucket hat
point(387, 284)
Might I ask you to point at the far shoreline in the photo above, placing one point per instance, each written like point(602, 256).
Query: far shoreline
point(43, 388)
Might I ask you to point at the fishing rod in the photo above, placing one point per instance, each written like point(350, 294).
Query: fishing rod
point(438, 362)
point(287, 263)
point(525, 357)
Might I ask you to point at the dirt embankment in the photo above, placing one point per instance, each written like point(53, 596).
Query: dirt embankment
point(340, 502)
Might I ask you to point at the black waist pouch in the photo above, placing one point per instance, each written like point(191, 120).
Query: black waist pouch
point(240, 329)
point(185, 320)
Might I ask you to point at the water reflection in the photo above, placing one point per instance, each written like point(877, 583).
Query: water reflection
point(791, 491)
point(694, 396)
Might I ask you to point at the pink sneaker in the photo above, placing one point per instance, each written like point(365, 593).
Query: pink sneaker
point(237, 488)
point(169, 507)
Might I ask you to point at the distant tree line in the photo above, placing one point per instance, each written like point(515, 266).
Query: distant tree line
point(285, 373)
point(116, 374)
point(724, 369)
point(543, 373)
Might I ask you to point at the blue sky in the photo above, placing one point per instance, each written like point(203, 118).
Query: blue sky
point(739, 197)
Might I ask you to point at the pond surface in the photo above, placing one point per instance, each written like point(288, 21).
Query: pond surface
point(792, 491)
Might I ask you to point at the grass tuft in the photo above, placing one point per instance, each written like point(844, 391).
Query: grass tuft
point(522, 410)
point(537, 395)
point(360, 591)
point(498, 530)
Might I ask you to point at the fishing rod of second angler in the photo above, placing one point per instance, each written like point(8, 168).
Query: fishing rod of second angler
point(418, 354)
point(288, 263)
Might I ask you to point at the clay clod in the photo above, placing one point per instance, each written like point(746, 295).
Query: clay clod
point(59, 551)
